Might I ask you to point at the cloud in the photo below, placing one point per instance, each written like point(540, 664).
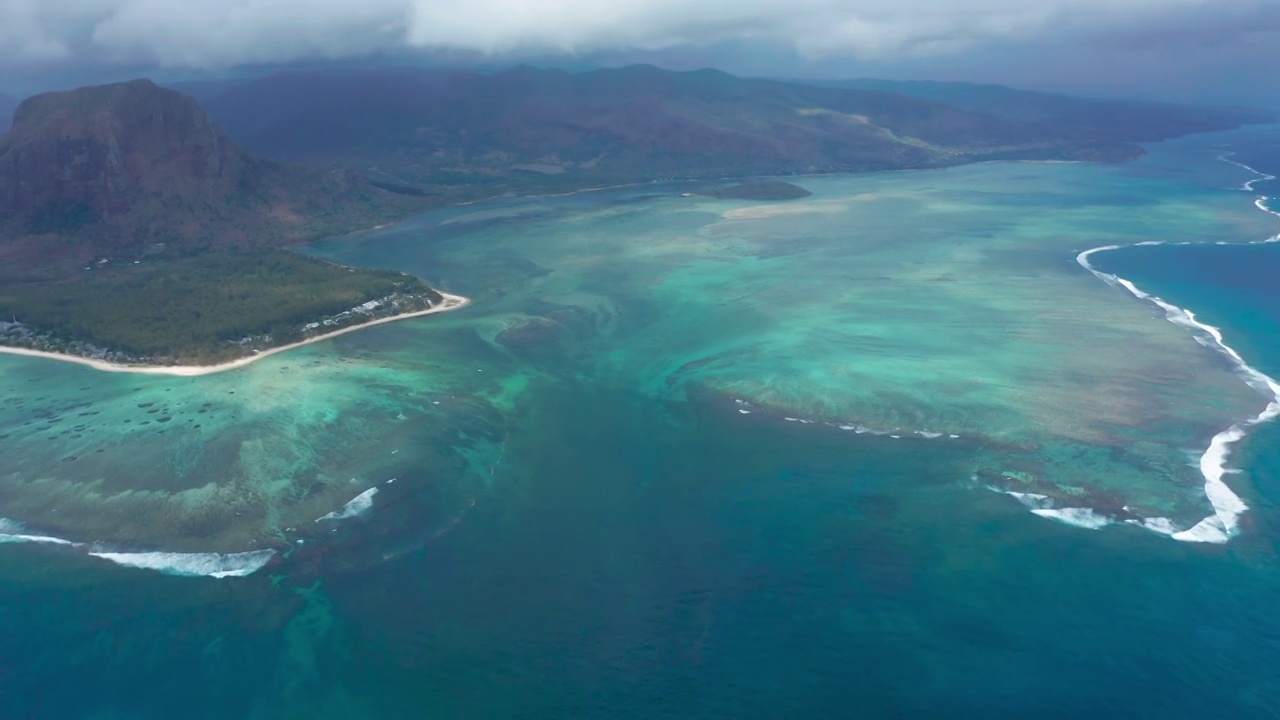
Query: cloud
point(220, 33)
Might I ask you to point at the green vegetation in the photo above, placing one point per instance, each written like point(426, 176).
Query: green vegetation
point(456, 135)
point(201, 309)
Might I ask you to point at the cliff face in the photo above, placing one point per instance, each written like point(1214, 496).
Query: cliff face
point(104, 154)
point(127, 169)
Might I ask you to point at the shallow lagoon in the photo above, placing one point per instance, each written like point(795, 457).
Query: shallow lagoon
point(943, 305)
point(608, 512)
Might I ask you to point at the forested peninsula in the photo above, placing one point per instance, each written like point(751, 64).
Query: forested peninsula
point(159, 241)
point(203, 310)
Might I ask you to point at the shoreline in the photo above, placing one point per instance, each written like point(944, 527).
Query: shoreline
point(450, 302)
point(1223, 524)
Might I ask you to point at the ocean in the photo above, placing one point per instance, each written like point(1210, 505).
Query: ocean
point(891, 450)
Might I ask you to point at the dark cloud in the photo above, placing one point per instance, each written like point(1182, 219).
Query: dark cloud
point(220, 33)
point(1162, 47)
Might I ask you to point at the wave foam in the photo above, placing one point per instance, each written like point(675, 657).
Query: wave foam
point(1042, 505)
point(1248, 186)
point(1079, 517)
point(12, 531)
point(216, 565)
point(747, 408)
point(1035, 501)
point(1227, 506)
point(1162, 525)
point(356, 505)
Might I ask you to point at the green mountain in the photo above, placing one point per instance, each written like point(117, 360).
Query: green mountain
point(133, 229)
point(537, 128)
point(131, 170)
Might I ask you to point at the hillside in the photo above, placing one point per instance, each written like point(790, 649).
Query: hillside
point(132, 170)
point(8, 104)
point(531, 128)
point(1104, 119)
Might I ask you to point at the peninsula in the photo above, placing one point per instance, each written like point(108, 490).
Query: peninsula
point(159, 242)
point(447, 302)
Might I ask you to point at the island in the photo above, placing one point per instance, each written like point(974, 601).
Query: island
point(760, 191)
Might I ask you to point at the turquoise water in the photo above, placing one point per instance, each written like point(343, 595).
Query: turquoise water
point(685, 457)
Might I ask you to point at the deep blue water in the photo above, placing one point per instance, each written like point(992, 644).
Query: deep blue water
point(637, 559)
point(1234, 287)
point(727, 574)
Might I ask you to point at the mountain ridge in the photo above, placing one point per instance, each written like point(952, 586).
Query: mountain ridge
point(527, 127)
point(1125, 120)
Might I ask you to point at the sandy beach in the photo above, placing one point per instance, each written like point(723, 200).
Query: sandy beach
point(451, 302)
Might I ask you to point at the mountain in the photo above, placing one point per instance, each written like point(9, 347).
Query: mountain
point(133, 229)
point(8, 104)
point(130, 170)
point(527, 128)
point(1116, 120)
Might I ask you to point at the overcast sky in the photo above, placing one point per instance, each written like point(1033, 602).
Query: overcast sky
point(1218, 49)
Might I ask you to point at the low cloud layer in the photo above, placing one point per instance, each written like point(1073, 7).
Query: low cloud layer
point(211, 34)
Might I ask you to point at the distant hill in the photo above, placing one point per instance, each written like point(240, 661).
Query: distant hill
point(130, 170)
point(1116, 120)
point(8, 104)
point(528, 128)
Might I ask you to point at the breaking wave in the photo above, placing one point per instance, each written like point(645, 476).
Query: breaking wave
point(354, 506)
point(1042, 505)
point(1227, 506)
point(216, 565)
point(12, 531)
